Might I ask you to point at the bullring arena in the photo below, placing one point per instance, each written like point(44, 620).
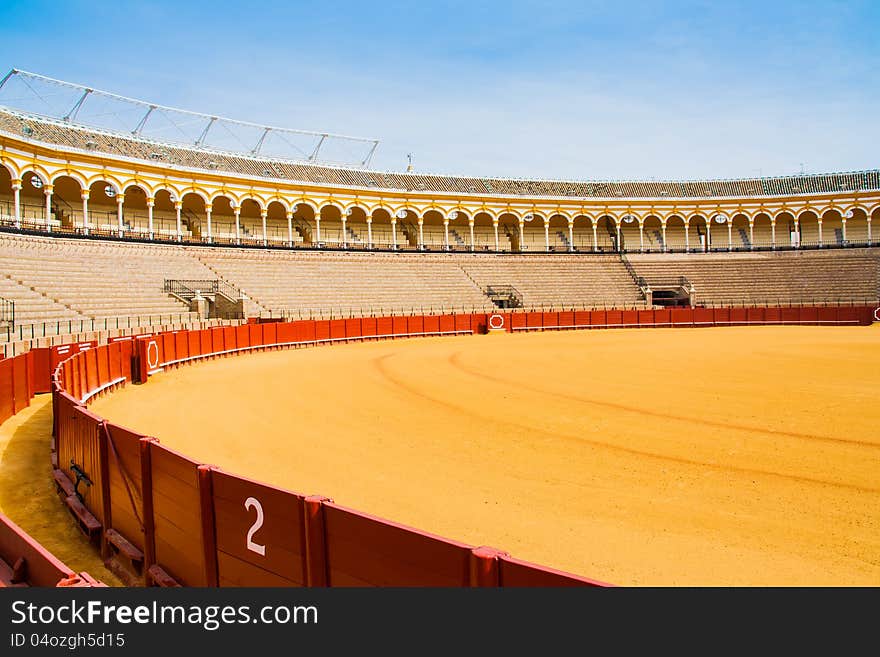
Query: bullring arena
point(227, 369)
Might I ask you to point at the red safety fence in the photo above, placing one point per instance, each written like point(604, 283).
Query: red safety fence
point(24, 562)
point(173, 521)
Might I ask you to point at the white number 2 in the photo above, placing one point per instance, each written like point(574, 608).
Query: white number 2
point(253, 502)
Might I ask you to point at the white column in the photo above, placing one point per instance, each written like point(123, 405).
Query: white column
point(708, 234)
point(150, 203)
point(344, 234)
point(522, 235)
point(236, 211)
point(617, 225)
point(120, 199)
point(595, 239)
point(821, 244)
point(318, 227)
point(393, 233)
point(16, 196)
point(571, 235)
point(751, 234)
point(869, 230)
point(641, 237)
point(547, 234)
point(178, 205)
point(85, 200)
point(446, 233)
point(208, 210)
point(495, 226)
point(843, 228)
point(773, 233)
point(289, 228)
point(263, 213)
point(797, 232)
point(687, 238)
point(663, 228)
point(471, 225)
point(47, 190)
point(421, 234)
point(730, 234)
point(369, 232)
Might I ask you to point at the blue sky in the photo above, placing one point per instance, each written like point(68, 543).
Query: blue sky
point(577, 90)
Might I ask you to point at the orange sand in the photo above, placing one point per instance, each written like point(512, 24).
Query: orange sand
point(728, 456)
point(27, 492)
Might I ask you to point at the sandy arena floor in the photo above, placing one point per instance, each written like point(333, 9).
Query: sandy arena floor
point(27, 493)
point(728, 456)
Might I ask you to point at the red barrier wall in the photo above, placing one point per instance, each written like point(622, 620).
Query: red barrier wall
point(7, 390)
point(124, 475)
point(367, 551)
point(259, 532)
point(177, 515)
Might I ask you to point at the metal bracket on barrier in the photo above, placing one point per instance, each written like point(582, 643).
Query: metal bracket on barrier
point(80, 476)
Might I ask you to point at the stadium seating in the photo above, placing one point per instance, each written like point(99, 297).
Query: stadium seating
point(767, 277)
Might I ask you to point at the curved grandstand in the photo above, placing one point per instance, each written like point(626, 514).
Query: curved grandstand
point(123, 253)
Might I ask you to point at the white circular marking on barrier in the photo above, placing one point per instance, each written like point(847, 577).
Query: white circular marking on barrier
point(152, 354)
point(877, 314)
point(499, 325)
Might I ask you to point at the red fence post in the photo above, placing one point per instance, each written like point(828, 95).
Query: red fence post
point(484, 569)
point(104, 466)
point(316, 541)
point(147, 506)
point(209, 531)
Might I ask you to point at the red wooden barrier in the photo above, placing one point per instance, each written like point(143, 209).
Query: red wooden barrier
point(43, 568)
point(193, 343)
point(518, 320)
point(630, 318)
point(103, 353)
point(270, 333)
point(415, 324)
point(21, 397)
point(721, 316)
point(206, 342)
point(259, 532)
point(337, 328)
point(447, 323)
point(646, 318)
point(514, 572)
point(738, 317)
point(663, 317)
point(582, 318)
point(566, 319)
point(366, 551)
point(431, 324)
point(548, 320)
point(255, 335)
point(369, 326)
point(534, 320)
point(7, 390)
point(124, 484)
point(286, 332)
point(181, 345)
point(114, 360)
point(322, 329)
point(168, 347)
point(230, 336)
point(43, 369)
point(243, 336)
point(353, 328)
point(704, 317)
point(613, 318)
point(755, 315)
point(177, 515)
point(682, 316)
point(463, 322)
point(91, 362)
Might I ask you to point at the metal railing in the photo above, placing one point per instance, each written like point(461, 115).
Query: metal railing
point(187, 288)
point(7, 316)
point(506, 293)
point(35, 330)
